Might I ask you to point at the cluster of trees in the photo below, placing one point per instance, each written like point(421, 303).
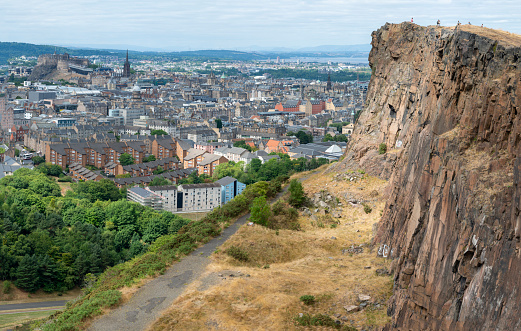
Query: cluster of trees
point(52, 242)
point(257, 171)
point(336, 76)
point(158, 132)
point(283, 214)
point(302, 136)
point(338, 137)
point(149, 158)
point(126, 159)
point(242, 144)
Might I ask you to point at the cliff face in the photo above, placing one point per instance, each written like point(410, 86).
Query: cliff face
point(446, 104)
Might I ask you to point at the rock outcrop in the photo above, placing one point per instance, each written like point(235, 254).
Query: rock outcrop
point(445, 102)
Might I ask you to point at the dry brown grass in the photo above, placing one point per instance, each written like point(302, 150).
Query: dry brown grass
point(64, 187)
point(283, 265)
point(503, 37)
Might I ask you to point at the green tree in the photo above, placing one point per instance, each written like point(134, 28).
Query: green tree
point(327, 137)
point(45, 186)
point(260, 211)
point(17, 152)
point(126, 159)
point(219, 123)
point(255, 165)
point(297, 196)
point(158, 171)
point(149, 158)
point(159, 181)
point(103, 190)
point(38, 159)
point(27, 274)
point(158, 132)
point(242, 144)
point(304, 138)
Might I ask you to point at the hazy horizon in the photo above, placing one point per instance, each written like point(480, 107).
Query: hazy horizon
point(230, 24)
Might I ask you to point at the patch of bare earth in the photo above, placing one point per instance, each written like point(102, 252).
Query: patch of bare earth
point(330, 258)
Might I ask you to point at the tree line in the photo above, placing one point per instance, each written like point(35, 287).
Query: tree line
point(51, 241)
point(257, 171)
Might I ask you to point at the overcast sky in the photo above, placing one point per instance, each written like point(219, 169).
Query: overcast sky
point(234, 24)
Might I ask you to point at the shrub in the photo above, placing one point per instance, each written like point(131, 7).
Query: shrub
point(297, 196)
point(382, 149)
point(367, 208)
point(316, 320)
point(308, 299)
point(237, 253)
point(6, 287)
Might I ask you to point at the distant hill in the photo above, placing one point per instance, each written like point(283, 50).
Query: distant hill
point(11, 49)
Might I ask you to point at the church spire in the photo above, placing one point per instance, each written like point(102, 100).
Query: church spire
point(328, 86)
point(126, 67)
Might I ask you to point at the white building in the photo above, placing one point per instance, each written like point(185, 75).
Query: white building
point(184, 198)
point(200, 197)
point(168, 194)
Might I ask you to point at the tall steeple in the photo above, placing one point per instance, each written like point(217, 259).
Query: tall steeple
point(328, 86)
point(126, 67)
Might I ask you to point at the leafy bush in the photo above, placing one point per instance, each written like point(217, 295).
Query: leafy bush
point(382, 149)
point(316, 320)
point(367, 208)
point(297, 196)
point(308, 299)
point(237, 253)
point(6, 287)
point(82, 309)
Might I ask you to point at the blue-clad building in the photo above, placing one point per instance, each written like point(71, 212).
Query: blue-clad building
point(230, 188)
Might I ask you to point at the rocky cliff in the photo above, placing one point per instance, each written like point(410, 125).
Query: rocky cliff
point(445, 102)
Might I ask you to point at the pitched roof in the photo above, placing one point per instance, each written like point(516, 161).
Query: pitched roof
point(209, 158)
point(226, 180)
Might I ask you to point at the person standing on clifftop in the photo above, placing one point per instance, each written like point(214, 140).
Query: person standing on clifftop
point(412, 19)
point(438, 23)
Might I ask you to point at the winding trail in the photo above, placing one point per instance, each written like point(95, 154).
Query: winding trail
point(153, 298)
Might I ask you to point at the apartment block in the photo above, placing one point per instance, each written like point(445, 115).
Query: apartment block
point(230, 188)
point(168, 194)
point(199, 197)
point(209, 162)
point(145, 198)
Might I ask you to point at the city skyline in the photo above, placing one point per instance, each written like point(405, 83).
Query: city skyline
point(229, 24)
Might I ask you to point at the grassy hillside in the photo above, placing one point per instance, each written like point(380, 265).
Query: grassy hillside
point(288, 278)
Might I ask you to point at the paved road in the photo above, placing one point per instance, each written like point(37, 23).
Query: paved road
point(32, 305)
point(149, 302)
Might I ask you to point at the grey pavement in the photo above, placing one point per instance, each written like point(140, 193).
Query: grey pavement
point(152, 299)
point(33, 305)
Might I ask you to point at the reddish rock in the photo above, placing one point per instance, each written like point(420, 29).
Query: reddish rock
point(452, 224)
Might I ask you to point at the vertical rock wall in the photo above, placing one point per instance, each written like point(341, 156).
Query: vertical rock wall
point(446, 104)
